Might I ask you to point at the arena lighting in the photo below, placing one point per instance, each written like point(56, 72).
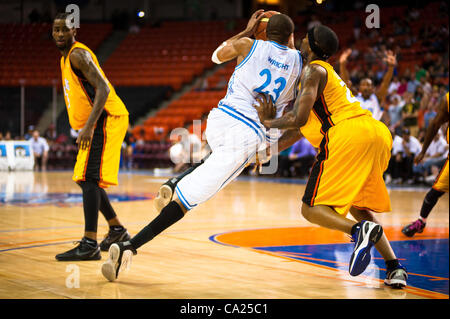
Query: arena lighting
point(141, 14)
point(319, 1)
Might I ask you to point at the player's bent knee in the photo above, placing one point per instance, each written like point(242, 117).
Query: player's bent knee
point(307, 212)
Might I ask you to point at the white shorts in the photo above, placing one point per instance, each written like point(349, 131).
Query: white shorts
point(234, 143)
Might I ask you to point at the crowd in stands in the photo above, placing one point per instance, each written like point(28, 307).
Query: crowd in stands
point(417, 39)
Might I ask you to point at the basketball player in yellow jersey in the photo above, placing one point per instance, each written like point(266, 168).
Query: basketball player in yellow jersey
point(353, 154)
point(102, 118)
point(440, 186)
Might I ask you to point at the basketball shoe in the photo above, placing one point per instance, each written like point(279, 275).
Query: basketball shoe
point(119, 258)
point(114, 236)
point(84, 251)
point(415, 227)
point(165, 194)
point(396, 277)
point(365, 236)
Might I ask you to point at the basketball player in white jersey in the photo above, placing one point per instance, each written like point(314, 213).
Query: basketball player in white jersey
point(368, 96)
point(234, 131)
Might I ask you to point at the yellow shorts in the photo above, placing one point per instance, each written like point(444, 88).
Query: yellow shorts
point(441, 182)
point(100, 163)
point(350, 164)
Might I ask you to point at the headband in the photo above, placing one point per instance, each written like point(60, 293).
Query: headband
point(314, 47)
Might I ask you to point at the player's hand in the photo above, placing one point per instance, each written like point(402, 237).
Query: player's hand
point(84, 138)
point(419, 158)
point(344, 56)
point(390, 59)
point(253, 22)
point(265, 109)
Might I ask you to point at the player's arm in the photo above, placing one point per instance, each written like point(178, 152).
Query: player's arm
point(382, 91)
point(313, 77)
point(343, 72)
point(288, 139)
point(82, 60)
point(433, 128)
point(239, 45)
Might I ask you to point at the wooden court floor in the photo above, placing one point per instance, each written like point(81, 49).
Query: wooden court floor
point(222, 249)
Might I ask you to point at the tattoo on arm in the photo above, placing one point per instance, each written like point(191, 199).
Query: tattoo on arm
point(310, 82)
point(82, 60)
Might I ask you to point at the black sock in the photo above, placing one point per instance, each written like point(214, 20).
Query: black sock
point(429, 202)
point(169, 215)
point(91, 205)
point(392, 263)
point(116, 228)
point(105, 205)
point(91, 242)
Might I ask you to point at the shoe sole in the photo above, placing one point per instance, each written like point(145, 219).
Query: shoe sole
point(395, 283)
point(97, 256)
point(164, 197)
point(111, 268)
point(361, 255)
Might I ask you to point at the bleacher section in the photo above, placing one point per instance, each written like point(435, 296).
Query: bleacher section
point(28, 52)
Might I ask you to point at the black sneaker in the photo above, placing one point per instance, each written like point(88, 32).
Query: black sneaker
point(165, 194)
point(114, 236)
point(84, 251)
point(119, 258)
point(415, 227)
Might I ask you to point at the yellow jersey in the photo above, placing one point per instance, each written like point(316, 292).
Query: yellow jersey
point(335, 104)
point(79, 94)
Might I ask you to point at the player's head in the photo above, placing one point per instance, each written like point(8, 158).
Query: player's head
point(366, 87)
point(320, 42)
point(279, 28)
point(63, 35)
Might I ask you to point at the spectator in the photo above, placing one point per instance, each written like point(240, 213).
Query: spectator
point(436, 155)
point(29, 134)
point(302, 156)
point(404, 149)
point(284, 164)
point(7, 136)
point(50, 134)
point(393, 87)
point(40, 151)
point(395, 114)
point(409, 113)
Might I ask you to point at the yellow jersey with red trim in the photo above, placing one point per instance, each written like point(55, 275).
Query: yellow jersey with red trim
point(79, 94)
point(335, 104)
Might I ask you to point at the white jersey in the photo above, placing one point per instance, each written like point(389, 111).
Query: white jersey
point(269, 68)
point(371, 104)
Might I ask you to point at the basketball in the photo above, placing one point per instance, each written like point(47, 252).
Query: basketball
point(260, 32)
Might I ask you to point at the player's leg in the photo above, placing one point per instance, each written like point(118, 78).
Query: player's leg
point(344, 163)
point(396, 274)
point(431, 198)
point(117, 232)
point(439, 188)
point(227, 160)
point(115, 130)
point(87, 175)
